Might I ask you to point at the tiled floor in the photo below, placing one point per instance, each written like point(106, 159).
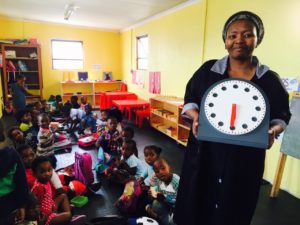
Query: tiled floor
point(285, 210)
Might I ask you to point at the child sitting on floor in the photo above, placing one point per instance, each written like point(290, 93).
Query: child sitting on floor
point(83, 102)
point(60, 183)
point(88, 121)
point(55, 211)
point(109, 144)
point(164, 188)
point(76, 113)
point(128, 134)
point(18, 138)
point(151, 154)
point(102, 121)
point(25, 120)
point(128, 163)
point(46, 139)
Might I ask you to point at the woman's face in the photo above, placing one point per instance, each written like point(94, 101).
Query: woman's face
point(241, 39)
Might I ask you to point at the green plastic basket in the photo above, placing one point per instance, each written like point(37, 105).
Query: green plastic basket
point(79, 201)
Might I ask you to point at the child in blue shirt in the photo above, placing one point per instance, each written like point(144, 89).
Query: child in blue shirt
point(88, 121)
point(164, 188)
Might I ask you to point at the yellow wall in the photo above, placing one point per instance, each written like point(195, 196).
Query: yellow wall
point(175, 49)
point(100, 47)
point(176, 43)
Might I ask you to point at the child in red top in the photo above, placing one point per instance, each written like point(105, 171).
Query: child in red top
point(42, 170)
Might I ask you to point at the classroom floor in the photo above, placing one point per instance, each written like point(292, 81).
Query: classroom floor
point(283, 210)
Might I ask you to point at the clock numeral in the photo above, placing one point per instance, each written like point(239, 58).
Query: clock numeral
point(254, 119)
point(255, 97)
point(246, 89)
point(224, 88)
point(220, 123)
point(257, 108)
point(235, 86)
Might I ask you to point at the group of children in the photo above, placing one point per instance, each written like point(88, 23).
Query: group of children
point(155, 186)
point(118, 160)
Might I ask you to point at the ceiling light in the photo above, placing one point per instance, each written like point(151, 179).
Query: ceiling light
point(69, 10)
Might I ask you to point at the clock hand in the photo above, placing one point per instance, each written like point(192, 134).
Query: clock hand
point(233, 115)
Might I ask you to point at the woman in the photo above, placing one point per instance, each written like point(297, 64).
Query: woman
point(220, 182)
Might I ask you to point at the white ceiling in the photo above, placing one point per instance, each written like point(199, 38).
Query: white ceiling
point(107, 14)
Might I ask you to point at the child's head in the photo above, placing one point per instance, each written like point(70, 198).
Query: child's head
point(44, 120)
point(27, 155)
point(24, 116)
point(88, 108)
point(42, 169)
point(128, 148)
point(151, 153)
point(104, 115)
point(162, 170)
point(83, 100)
point(37, 106)
point(127, 133)
point(112, 123)
point(20, 79)
point(32, 209)
point(58, 98)
point(15, 134)
point(44, 104)
point(74, 99)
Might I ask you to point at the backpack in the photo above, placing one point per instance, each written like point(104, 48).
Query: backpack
point(83, 168)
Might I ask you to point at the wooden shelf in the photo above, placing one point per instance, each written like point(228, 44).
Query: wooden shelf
point(91, 89)
point(33, 67)
point(21, 58)
point(165, 117)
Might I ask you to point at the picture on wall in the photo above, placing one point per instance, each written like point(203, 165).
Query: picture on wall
point(107, 75)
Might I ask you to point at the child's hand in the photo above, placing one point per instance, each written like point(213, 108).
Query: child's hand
point(152, 192)
point(141, 180)
point(106, 156)
point(20, 215)
point(160, 197)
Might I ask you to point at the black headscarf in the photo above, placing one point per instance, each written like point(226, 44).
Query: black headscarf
point(246, 15)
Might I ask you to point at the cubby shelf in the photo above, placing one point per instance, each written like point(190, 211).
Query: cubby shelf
point(91, 89)
point(166, 117)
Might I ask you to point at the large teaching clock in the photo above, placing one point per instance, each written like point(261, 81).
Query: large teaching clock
point(234, 111)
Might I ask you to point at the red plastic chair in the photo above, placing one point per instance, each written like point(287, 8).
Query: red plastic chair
point(140, 114)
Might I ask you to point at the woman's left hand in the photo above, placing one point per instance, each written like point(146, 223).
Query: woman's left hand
point(272, 135)
point(274, 132)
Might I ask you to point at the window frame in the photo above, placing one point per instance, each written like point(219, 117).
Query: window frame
point(138, 58)
point(57, 59)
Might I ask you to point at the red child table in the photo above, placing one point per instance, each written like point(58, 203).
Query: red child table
point(130, 104)
point(106, 98)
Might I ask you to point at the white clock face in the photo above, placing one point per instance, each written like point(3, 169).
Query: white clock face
point(235, 107)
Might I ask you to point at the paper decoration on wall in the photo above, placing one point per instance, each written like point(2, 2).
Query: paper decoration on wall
point(107, 76)
point(133, 75)
point(154, 82)
point(290, 83)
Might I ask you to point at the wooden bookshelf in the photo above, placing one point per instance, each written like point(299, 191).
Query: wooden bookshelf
point(166, 117)
point(28, 56)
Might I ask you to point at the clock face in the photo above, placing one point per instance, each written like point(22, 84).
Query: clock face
point(235, 107)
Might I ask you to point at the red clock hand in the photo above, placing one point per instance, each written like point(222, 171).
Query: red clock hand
point(233, 115)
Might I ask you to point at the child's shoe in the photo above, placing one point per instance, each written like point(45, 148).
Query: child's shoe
point(78, 220)
point(93, 188)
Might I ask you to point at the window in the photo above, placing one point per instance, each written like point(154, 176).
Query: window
point(67, 55)
point(142, 52)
